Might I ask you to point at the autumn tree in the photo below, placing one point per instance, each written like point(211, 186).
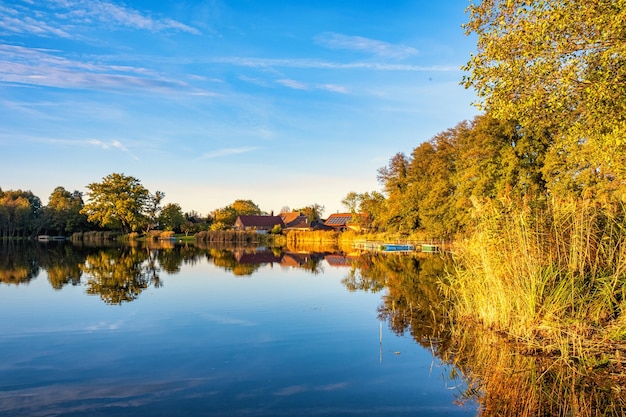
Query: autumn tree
point(225, 217)
point(400, 215)
point(558, 68)
point(119, 201)
point(246, 208)
point(20, 213)
point(431, 194)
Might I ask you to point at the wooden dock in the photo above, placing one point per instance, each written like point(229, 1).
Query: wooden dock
point(380, 246)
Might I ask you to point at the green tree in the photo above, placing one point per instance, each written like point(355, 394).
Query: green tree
point(119, 201)
point(351, 201)
point(171, 217)
point(559, 67)
point(63, 211)
point(188, 227)
point(314, 211)
point(373, 204)
point(153, 209)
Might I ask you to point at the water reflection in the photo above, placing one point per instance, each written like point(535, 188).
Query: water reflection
point(501, 377)
point(504, 380)
point(120, 273)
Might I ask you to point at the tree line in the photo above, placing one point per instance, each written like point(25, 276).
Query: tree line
point(118, 203)
point(551, 83)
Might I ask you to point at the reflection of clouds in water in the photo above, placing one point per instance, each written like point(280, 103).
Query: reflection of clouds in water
point(220, 319)
point(103, 325)
point(75, 398)
point(72, 328)
point(298, 389)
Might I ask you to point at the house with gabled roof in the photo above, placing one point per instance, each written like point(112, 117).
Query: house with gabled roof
point(295, 221)
point(260, 224)
point(345, 221)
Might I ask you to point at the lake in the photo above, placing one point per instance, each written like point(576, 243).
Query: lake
point(183, 330)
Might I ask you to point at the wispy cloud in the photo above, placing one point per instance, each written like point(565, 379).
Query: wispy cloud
point(114, 144)
point(63, 18)
point(43, 67)
point(297, 85)
point(266, 63)
point(370, 46)
point(228, 151)
point(12, 21)
point(333, 88)
point(110, 13)
point(255, 81)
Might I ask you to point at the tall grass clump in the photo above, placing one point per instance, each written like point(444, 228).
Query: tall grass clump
point(552, 277)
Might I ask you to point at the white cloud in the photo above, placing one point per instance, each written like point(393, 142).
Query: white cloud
point(228, 151)
point(333, 88)
point(114, 144)
point(63, 18)
point(296, 85)
point(318, 64)
point(361, 44)
point(33, 66)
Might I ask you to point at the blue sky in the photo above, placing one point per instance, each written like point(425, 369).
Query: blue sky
point(285, 103)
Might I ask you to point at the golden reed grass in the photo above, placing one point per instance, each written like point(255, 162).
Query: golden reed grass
point(551, 277)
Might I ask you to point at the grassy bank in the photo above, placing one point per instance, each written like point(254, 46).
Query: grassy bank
point(551, 278)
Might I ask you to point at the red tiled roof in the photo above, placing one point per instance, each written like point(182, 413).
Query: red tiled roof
point(288, 217)
point(259, 221)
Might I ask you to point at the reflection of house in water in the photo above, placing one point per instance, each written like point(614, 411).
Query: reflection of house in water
point(295, 260)
point(309, 261)
point(304, 260)
point(338, 260)
point(257, 257)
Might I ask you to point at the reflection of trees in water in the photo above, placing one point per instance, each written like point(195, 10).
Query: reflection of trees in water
point(134, 266)
point(507, 382)
point(501, 378)
point(413, 302)
point(227, 260)
point(62, 265)
point(120, 275)
point(18, 262)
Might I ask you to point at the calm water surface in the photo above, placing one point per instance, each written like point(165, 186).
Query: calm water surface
point(141, 332)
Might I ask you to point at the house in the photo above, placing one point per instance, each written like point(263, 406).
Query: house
point(343, 221)
point(295, 221)
point(260, 224)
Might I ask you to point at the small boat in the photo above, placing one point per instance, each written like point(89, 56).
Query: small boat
point(430, 248)
point(391, 247)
